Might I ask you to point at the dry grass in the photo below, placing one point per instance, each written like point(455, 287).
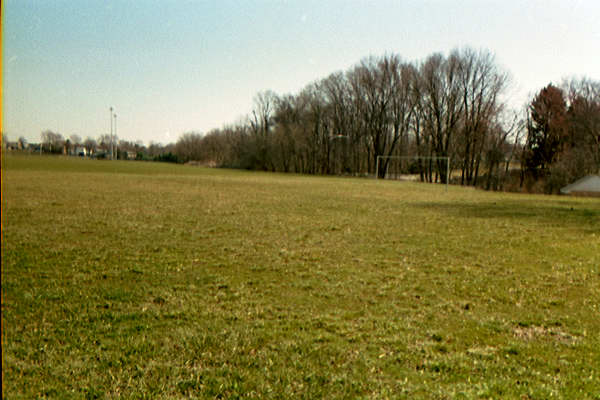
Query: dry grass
point(144, 280)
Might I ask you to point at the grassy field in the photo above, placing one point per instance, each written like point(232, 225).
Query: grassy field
point(146, 280)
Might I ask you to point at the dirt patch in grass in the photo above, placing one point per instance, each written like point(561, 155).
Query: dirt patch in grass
point(529, 333)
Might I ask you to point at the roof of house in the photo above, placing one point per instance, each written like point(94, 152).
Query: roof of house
point(590, 183)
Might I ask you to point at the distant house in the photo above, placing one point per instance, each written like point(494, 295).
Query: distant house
point(586, 186)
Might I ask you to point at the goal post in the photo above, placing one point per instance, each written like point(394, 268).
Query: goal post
point(382, 159)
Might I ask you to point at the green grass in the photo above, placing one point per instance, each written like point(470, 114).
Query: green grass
point(145, 280)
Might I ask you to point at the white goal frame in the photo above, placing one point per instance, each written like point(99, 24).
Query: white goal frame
point(434, 158)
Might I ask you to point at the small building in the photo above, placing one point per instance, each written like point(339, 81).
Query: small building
point(586, 186)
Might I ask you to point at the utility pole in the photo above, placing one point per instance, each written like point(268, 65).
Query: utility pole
point(116, 137)
point(111, 132)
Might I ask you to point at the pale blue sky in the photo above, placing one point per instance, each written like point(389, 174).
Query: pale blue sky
point(169, 67)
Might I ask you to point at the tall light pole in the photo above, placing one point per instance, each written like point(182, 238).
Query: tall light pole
point(116, 137)
point(111, 131)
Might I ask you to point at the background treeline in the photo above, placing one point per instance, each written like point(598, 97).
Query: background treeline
point(55, 143)
point(445, 106)
point(563, 136)
point(452, 106)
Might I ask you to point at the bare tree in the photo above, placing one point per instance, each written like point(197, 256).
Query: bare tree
point(502, 142)
point(286, 118)
point(22, 143)
point(583, 114)
point(189, 147)
point(481, 83)
point(337, 94)
point(54, 141)
point(261, 123)
point(317, 129)
point(90, 145)
point(441, 106)
point(75, 140)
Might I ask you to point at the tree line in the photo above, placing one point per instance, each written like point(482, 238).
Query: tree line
point(442, 107)
point(563, 135)
point(451, 106)
point(445, 106)
point(55, 143)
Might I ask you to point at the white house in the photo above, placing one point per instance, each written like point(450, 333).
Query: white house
point(588, 185)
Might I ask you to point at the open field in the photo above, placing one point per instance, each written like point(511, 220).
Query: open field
point(147, 280)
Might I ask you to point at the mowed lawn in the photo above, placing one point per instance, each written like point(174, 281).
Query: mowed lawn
point(147, 280)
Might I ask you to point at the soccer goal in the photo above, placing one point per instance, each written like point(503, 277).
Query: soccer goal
point(414, 168)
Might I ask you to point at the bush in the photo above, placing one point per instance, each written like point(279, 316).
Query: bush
point(167, 157)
